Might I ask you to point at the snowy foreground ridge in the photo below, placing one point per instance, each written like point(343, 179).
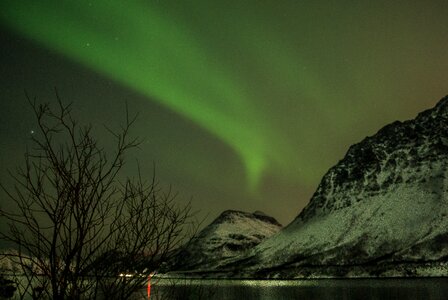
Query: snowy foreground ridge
point(229, 236)
point(381, 211)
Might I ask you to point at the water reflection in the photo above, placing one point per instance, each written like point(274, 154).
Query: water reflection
point(428, 289)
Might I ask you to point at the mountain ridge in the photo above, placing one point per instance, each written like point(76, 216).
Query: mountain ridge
point(230, 235)
point(385, 203)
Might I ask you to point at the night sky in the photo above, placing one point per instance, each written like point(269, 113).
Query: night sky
point(242, 104)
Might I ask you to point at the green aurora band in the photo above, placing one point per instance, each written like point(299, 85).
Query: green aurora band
point(244, 104)
point(140, 47)
point(287, 86)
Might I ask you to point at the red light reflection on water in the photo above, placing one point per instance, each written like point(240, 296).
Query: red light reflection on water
point(149, 286)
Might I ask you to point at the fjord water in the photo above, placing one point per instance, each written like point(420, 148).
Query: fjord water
point(322, 289)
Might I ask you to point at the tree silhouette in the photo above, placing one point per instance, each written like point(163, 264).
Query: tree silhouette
point(75, 225)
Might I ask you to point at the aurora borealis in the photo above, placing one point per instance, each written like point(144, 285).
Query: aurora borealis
point(243, 104)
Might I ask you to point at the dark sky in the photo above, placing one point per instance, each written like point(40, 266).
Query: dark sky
point(242, 104)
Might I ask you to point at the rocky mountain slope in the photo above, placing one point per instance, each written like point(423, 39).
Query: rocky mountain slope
point(228, 236)
point(385, 204)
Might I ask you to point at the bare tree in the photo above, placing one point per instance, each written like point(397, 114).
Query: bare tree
point(75, 225)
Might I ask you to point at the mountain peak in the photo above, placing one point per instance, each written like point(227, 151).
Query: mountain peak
point(229, 214)
point(232, 233)
point(375, 164)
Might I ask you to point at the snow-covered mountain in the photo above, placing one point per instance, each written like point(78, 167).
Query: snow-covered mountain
point(384, 204)
point(228, 236)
